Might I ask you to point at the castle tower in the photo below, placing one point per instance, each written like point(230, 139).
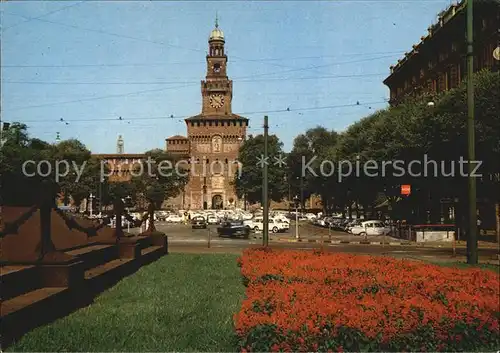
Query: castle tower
point(215, 135)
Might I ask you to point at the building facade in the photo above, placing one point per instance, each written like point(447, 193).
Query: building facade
point(213, 138)
point(438, 62)
point(120, 167)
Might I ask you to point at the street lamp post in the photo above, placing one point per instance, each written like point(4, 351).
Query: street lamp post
point(296, 200)
point(91, 206)
point(265, 196)
point(472, 257)
point(127, 203)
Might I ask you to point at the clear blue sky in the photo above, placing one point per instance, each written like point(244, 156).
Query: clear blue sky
point(90, 63)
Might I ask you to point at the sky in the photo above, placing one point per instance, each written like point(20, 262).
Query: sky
point(93, 70)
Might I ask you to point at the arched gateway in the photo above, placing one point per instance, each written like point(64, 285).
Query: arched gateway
point(217, 203)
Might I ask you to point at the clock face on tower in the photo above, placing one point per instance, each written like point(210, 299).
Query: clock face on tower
point(216, 100)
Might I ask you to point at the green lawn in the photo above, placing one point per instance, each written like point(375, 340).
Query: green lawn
point(182, 302)
point(464, 265)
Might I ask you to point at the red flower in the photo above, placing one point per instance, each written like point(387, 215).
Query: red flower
point(301, 293)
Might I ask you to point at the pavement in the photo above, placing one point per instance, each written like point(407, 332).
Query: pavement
point(182, 238)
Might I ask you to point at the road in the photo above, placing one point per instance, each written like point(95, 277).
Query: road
point(182, 238)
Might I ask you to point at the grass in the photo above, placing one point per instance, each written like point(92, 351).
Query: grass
point(464, 265)
point(182, 302)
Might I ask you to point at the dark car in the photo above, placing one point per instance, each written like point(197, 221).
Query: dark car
point(198, 223)
point(233, 229)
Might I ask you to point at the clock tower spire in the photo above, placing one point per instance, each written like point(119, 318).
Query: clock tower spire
point(216, 89)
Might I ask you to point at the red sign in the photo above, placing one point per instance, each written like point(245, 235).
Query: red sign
point(405, 189)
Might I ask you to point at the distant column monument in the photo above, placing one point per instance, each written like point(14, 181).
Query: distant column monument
point(120, 145)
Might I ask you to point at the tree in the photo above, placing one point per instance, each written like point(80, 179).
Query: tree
point(158, 179)
point(83, 173)
point(19, 182)
point(249, 182)
point(314, 147)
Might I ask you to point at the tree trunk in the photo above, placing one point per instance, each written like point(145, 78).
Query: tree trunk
point(349, 210)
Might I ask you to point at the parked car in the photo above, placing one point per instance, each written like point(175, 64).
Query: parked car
point(281, 218)
point(173, 218)
point(275, 225)
point(310, 216)
point(370, 228)
point(198, 223)
point(212, 219)
point(233, 229)
point(351, 224)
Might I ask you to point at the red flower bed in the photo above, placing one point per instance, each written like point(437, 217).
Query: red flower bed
point(305, 301)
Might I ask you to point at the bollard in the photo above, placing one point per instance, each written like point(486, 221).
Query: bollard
point(209, 237)
point(454, 246)
point(322, 242)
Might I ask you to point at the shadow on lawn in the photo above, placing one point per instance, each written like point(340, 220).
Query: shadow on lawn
point(60, 305)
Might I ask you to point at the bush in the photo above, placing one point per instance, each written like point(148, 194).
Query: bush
point(303, 301)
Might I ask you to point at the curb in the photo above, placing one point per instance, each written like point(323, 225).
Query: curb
point(341, 242)
point(361, 242)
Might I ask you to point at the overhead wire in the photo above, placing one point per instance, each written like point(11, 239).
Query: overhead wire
point(44, 15)
point(198, 62)
point(186, 82)
point(186, 85)
point(284, 110)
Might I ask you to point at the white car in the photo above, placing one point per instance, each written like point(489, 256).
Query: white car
point(275, 225)
point(310, 216)
point(212, 219)
point(282, 219)
point(320, 221)
point(173, 218)
point(370, 228)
